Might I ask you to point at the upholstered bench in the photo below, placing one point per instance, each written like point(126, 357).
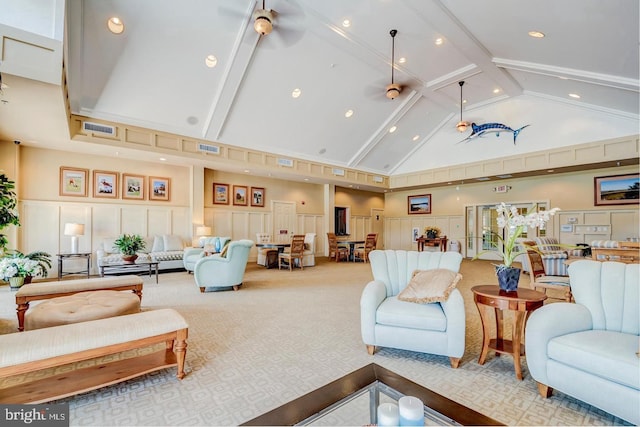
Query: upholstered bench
point(81, 307)
point(33, 351)
point(47, 290)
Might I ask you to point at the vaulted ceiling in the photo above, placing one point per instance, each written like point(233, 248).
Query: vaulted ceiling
point(154, 75)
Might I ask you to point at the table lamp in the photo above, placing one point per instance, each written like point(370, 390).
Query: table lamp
point(74, 230)
point(202, 231)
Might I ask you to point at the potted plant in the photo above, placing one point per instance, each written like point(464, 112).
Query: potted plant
point(15, 268)
point(129, 245)
point(431, 231)
point(516, 224)
point(8, 212)
point(43, 260)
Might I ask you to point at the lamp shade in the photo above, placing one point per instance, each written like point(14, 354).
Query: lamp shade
point(73, 229)
point(203, 230)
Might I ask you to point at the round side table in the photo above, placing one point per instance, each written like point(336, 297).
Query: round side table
point(522, 302)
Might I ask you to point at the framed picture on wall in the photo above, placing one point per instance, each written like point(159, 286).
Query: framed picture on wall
point(105, 184)
point(73, 181)
point(220, 193)
point(616, 189)
point(240, 195)
point(257, 196)
point(419, 204)
point(159, 188)
point(132, 186)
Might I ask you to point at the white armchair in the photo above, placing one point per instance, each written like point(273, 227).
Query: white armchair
point(309, 254)
point(386, 321)
point(224, 270)
point(262, 252)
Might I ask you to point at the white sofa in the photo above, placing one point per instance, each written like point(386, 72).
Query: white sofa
point(167, 249)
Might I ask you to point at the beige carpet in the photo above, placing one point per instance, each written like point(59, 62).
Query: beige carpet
point(284, 334)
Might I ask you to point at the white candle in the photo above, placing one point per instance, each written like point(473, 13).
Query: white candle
point(388, 415)
point(411, 411)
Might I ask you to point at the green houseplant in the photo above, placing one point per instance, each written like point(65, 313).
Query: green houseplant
point(8, 212)
point(129, 245)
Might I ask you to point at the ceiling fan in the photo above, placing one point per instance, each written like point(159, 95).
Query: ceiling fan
point(263, 20)
point(461, 126)
point(393, 89)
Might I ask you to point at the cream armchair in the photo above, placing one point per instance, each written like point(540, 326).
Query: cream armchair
point(192, 255)
point(224, 270)
point(589, 350)
point(386, 321)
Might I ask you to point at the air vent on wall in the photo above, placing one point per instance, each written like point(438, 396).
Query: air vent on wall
point(285, 162)
point(213, 149)
point(95, 127)
point(378, 179)
point(338, 172)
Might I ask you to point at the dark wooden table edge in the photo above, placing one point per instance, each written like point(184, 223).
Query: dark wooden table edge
point(319, 399)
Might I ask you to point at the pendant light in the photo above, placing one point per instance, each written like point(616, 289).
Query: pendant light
point(262, 21)
point(461, 126)
point(393, 90)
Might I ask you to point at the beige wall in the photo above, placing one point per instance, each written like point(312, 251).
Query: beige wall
point(40, 168)
point(308, 197)
point(571, 191)
point(360, 202)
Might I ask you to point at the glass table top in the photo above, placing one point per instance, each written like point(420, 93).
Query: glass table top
point(354, 399)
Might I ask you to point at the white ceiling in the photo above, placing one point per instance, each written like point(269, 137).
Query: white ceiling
point(154, 75)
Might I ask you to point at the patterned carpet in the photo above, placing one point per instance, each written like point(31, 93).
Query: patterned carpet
point(284, 334)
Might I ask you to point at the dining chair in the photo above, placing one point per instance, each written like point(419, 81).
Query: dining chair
point(262, 252)
point(335, 251)
point(362, 252)
point(540, 279)
point(296, 252)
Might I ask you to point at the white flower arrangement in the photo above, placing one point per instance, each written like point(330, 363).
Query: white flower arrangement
point(17, 267)
point(508, 217)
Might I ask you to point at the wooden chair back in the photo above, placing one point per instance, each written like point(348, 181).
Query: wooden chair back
point(336, 251)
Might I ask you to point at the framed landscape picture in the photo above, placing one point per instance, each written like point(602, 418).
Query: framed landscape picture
point(617, 189)
point(257, 196)
point(159, 188)
point(73, 181)
point(132, 186)
point(220, 193)
point(419, 204)
point(240, 195)
point(105, 184)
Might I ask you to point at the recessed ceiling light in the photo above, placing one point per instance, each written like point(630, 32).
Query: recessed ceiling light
point(496, 90)
point(306, 179)
point(296, 93)
point(439, 41)
point(536, 34)
point(402, 60)
point(348, 113)
point(247, 171)
point(415, 137)
point(346, 23)
point(162, 159)
point(464, 101)
point(574, 95)
point(211, 61)
point(392, 129)
point(551, 170)
point(115, 25)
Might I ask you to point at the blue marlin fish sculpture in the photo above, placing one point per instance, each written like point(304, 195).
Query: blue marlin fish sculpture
point(497, 128)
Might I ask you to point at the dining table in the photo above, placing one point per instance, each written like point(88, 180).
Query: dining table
point(352, 245)
point(279, 246)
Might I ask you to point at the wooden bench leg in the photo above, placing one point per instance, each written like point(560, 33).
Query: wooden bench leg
point(181, 351)
point(21, 310)
point(371, 349)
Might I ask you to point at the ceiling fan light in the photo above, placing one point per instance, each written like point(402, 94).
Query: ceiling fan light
point(393, 90)
point(263, 24)
point(462, 126)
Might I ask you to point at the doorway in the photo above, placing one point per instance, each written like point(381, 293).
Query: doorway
point(377, 226)
point(284, 220)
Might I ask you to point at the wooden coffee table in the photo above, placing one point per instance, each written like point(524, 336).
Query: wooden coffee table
point(522, 302)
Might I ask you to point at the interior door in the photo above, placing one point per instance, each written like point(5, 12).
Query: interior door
point(284, 220)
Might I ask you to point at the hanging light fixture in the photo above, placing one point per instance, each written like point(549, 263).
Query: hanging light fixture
point(262, 21)
point(393, 90)
point(461, 126)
